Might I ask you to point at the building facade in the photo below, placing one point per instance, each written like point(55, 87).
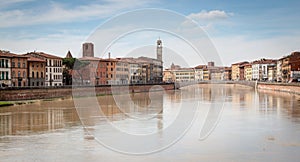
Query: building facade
point(19, 71)
point(227, 73)
point(248, 72)
point(5, 69)
point(53, 68)
point(36, 72)
point(236, 71)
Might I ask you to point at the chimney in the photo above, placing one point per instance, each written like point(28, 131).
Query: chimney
point(109, 55)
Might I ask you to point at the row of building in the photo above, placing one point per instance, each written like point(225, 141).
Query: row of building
point(118, 71)
point(30, 69)
point(285, 69)
point(41, 69)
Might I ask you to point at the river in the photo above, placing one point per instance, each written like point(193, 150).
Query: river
point(239, 124)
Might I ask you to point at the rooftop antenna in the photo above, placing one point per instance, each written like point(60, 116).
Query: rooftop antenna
point(109, 55)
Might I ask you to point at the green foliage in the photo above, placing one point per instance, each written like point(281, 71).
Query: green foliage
point(69, 62)
point(2, 103)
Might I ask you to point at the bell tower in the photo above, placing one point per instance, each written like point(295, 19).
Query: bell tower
point(88, 50)
point(159, 50)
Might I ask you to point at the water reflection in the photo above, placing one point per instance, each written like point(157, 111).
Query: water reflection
point(50, 115)
point(39, 117)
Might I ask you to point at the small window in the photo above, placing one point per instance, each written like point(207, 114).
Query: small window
point(19, 65)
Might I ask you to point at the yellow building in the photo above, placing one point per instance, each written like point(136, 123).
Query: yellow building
point(168, 76)
point(206, 74)
point(248, 72)
point(235, 73)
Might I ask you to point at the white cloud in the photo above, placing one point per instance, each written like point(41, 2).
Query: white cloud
point(58, 13)
point(212, 15)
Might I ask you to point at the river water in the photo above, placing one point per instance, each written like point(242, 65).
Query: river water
point(245, 125)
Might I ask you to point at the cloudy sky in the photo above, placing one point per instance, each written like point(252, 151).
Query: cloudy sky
point(239, 30)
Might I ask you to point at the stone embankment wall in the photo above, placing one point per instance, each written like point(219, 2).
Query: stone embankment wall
point(290, 88)
point(45, 93)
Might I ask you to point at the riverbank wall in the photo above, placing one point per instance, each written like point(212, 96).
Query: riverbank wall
point(27, 93)
point(293, 88)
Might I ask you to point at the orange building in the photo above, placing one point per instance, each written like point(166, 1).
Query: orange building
point(36, 71)
point(101, 73)
point(19, 71)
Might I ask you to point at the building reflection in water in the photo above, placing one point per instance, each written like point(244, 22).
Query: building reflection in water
point(153, 111)
point(32, 118)
point(24, 122)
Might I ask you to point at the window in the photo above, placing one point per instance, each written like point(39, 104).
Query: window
point(46, 62)
point(42, 75)
point(2, 63)
point(46, 70)
point(42, 65)
point(32, 83)
point(13, 64)
point(24, 65)
point(24, 74)
point(37, 74)
point(2, 76)
point(37, 65)
point(50, 70)
point(7, 75)
point(19, 74)
point(13, 74)
point(32, 74)
point(37, 83)
point(19, 65)
point(6, 62)
point(33, 65)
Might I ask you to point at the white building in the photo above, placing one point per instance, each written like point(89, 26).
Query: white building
point(256, 71)
point(184, 75)
point(260, 69)
point(198, 75)
point(122, 72)
point(5, 68)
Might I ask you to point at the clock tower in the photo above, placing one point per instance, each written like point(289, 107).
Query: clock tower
point(159, 50)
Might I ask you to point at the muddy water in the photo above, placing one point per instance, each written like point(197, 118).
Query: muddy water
point(252, 126)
